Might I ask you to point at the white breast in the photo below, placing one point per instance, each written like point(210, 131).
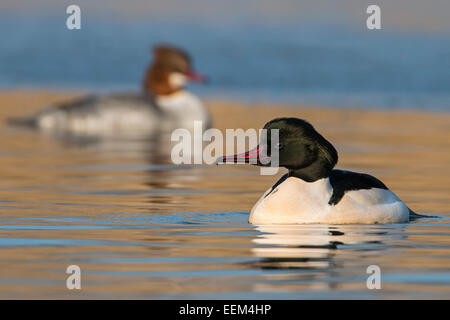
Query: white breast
point(184, 108)
point(299, 202)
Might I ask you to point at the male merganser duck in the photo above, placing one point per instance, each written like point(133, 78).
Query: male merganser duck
point(162, 104)
point(312, 191)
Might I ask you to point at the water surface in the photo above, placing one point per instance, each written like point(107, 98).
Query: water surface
point(141, 227)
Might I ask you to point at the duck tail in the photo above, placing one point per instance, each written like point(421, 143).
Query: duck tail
point(414, 216)
point(22, 122)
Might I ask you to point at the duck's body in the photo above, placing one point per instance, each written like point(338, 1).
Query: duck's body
point(126, 113)
point(163, 104)
point(313, 191)
point(294, 201)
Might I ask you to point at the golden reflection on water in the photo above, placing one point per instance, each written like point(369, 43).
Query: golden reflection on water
point(140, 227)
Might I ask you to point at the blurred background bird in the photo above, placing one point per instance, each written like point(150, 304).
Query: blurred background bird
point(162, 105)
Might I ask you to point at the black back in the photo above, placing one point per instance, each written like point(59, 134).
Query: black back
point(342, 181)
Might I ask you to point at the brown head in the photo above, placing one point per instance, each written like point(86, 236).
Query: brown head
point(169, 72)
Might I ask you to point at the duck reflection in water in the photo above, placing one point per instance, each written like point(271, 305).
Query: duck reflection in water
point(318, 247)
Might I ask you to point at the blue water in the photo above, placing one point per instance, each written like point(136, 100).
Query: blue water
point(296, 62)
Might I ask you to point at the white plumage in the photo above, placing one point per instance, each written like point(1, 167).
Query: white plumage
point(296, 201)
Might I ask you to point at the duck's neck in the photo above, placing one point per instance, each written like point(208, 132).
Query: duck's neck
point(173, 102)
point(311, 173)
point(183, 105)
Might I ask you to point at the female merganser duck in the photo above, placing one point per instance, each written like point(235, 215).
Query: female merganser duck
point(312, 191)
point(163, 104)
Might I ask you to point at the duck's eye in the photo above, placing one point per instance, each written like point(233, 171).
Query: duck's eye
point(278, 145)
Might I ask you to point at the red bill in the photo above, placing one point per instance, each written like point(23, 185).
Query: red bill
point(196, 77)
point(254, 156)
